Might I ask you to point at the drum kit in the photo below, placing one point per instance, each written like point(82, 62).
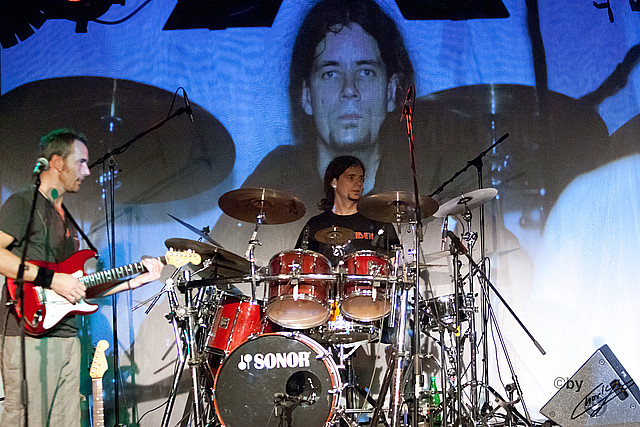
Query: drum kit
point(286, 359)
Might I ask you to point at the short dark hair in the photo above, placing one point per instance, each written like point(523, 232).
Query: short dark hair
point(322, 19)
point(334, 170)
point(60, 142)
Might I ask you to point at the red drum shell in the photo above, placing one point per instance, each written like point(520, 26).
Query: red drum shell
point(310, 307)
point(358, 297)
point(236, 319)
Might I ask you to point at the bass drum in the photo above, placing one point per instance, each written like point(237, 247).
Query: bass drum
point(281, 379)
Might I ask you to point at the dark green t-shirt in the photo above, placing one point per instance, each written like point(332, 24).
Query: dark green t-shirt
point(52, 240)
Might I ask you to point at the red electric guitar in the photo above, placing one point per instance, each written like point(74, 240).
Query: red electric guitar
point(43, 308)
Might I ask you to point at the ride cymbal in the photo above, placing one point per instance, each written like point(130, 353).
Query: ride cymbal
point(395, 206)
point(470, 200)
point(248, 204)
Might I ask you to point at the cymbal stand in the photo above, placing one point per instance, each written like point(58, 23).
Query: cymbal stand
point(250, 254)
point(471, 237)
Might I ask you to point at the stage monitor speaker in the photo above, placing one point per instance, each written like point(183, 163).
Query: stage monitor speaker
point(601, 393)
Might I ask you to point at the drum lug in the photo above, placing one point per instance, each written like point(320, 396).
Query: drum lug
point(339, 389)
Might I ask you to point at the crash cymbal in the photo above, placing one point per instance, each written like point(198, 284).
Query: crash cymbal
point(225, 263)
point(202, 233)
point(394, 206)
point(246, 204)
point(470, 200)
point(335, 235)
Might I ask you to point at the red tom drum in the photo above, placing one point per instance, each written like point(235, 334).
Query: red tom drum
point(236, 319)
point(365, 293)
point(299, 299)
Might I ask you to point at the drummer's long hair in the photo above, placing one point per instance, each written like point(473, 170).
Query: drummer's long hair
point(334, 170)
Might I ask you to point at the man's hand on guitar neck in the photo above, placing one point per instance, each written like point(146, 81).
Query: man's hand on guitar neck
point(154, 269)
point(68, 287)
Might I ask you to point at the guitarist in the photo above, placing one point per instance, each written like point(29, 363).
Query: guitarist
point(53, 359)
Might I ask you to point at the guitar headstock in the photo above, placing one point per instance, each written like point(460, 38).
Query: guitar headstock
point(99, 365)
point(180, 258)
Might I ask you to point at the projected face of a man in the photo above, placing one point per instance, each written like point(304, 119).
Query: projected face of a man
point(348, 93)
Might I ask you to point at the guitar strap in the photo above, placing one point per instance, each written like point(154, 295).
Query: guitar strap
point(75, 224)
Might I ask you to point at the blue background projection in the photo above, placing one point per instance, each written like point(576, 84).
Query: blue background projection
point(562, 236)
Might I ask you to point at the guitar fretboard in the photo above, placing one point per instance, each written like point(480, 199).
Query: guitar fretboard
point(113, 274)
point(98, 406)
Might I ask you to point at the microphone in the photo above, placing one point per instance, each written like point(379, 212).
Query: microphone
point(42, 165)
point(445, 228)
point(187, 106)
point(410, 94)
point(408, 99)
point(456, 242)
point(376, 241)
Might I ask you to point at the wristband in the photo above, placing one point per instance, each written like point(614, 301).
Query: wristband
point(43, 278)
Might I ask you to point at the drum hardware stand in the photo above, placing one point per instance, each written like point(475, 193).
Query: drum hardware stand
point(184, 322)
point(250, 254)
point(477, 163)
point(486, 286)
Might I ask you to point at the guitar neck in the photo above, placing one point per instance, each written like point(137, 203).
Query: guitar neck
point(98, 403)
point(113, 274)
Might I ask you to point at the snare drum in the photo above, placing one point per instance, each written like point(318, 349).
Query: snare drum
point(364, 298)
point(298, 300)
point(277, 379)
point(340, 330)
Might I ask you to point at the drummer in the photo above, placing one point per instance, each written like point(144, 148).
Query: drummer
point(343, 184)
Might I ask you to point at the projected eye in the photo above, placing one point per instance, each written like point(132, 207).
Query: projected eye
point(330, 74)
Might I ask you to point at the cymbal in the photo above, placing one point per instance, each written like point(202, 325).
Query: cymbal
point(202, 233)
point(181, 159)
point(246, 204)
point(394, 206)
point(470, 200)
point(225, 263)
point(334, 235)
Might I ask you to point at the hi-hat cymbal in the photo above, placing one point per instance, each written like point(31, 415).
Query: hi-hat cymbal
point(226, 264)
point(334, 235)
point(246, 204)
point(470, 200)
point(395, 206)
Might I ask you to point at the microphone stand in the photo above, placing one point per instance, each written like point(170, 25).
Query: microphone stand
point(408, 114)
point(110, 160)
point(24, 395)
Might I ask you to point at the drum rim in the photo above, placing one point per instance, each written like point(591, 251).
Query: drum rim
point(296, 327)
point(329, 363)
point(300, 251)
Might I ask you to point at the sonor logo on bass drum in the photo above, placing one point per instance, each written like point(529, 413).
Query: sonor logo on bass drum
point(293, 359)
